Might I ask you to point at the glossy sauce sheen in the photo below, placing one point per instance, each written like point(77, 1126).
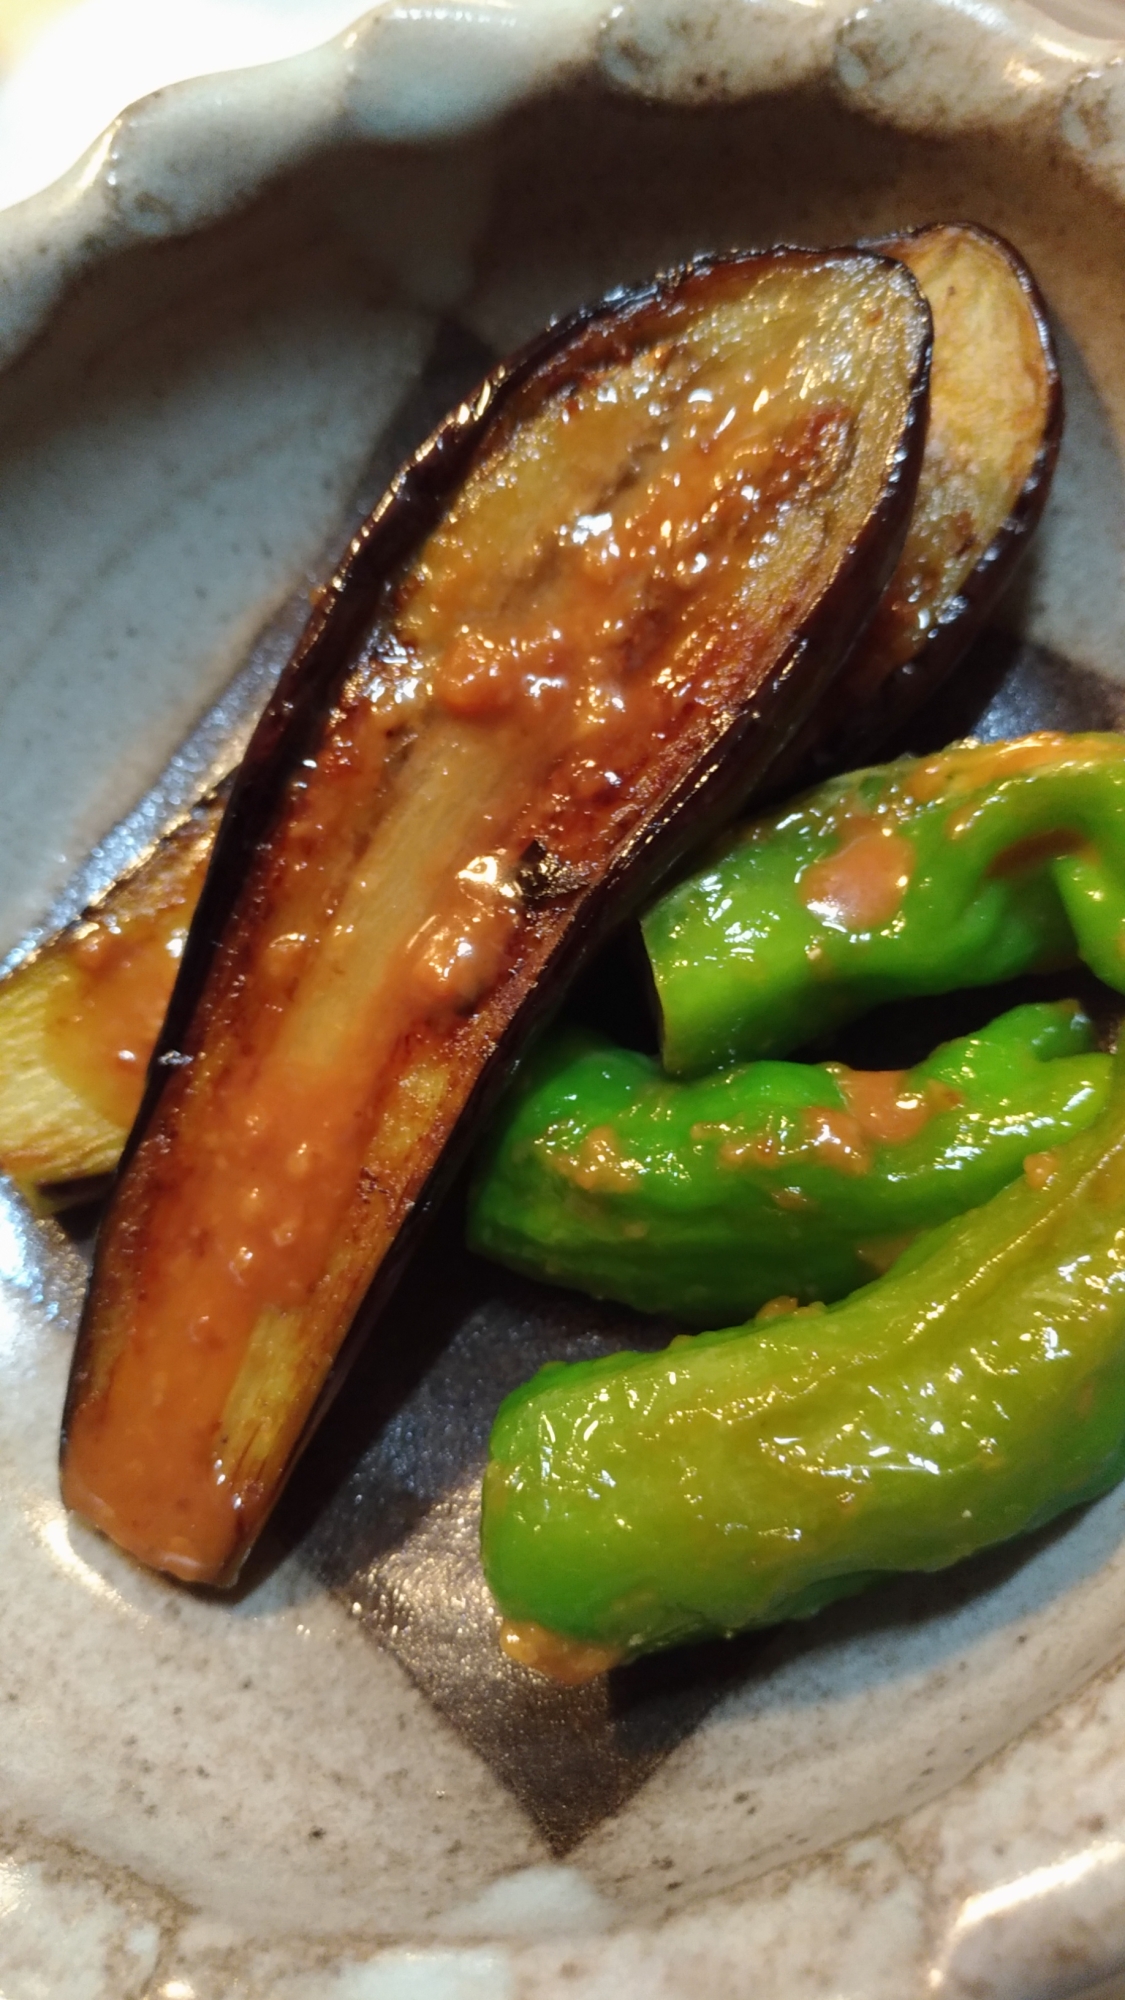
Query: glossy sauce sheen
point(861, 886)
point(880, 1108)
point(613, 575)
point(105, 1017)
point(967, 868)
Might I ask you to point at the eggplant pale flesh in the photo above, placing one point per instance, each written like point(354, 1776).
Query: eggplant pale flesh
point(992, 441)
point(567, 644)
point(79, 1019)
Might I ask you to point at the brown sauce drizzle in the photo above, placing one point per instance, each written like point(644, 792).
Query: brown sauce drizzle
point(1040, 1169)
point(115, 974)
point(861, 886)
point(970, 768)
point(880, 1109)
point(598, 1166)
point(567, 1662)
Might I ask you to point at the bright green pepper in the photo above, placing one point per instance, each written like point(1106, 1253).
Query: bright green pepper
point(962, 869)
point(705, 1199)
point(746, 1476)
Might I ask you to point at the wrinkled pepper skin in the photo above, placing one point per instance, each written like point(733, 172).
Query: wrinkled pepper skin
point(704, 1200)
point(742, 1477)
point(963, 869)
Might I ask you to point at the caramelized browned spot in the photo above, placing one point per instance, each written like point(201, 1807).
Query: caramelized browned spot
point(880, 1109)
point(973, 767)
point(598, 1166)
point(887, 1108)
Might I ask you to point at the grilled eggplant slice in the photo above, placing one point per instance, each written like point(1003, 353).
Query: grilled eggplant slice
point(79, 1019)
point(995, 425)
point(992, 440)
point(567, 644)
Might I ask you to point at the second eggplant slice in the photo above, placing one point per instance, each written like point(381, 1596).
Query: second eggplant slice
point(569, 642)
point(992, 443)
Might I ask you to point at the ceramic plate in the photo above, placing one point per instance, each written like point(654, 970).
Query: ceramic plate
point(216, 337)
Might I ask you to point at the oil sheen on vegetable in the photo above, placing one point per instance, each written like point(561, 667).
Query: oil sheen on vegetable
point(641, 578)
point(757, 1473)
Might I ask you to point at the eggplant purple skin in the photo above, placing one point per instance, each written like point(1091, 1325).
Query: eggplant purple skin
point(706, 798)
point(882, 718)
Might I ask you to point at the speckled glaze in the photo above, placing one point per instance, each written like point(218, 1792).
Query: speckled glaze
point(205, 330)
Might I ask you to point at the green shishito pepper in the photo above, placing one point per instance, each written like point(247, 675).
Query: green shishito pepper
point(741, 1477)
point(705, 1199)
point(964, 869)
